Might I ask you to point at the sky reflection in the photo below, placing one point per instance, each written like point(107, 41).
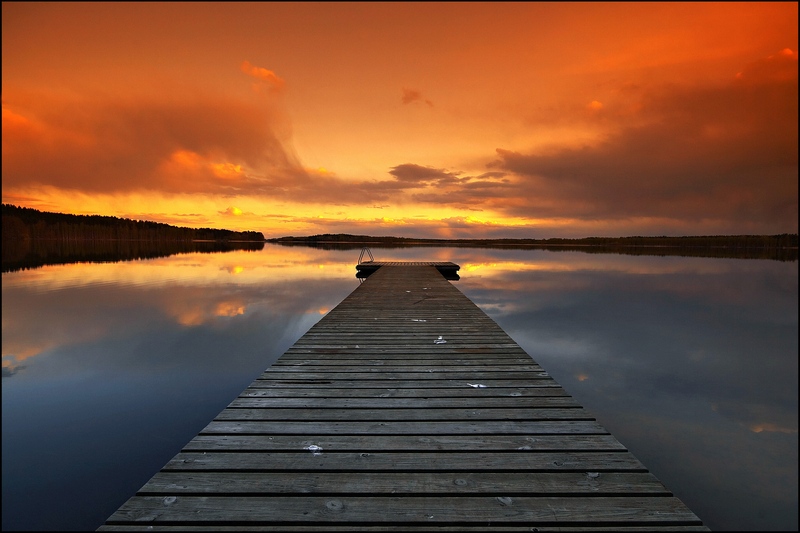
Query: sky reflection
point(690, 362)
point(108, 369)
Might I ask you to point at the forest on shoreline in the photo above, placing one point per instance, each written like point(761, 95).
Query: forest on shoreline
point(24, 223)
point(33, 238)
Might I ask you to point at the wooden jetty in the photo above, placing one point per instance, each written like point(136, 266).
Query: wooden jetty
point(405, 408)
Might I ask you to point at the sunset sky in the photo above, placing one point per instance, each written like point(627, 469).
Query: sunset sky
point(468, 120)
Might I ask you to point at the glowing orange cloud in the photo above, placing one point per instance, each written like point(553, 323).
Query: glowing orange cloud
point(779, 67)
point(770, 427)
point(229, 309)
point(259, 73)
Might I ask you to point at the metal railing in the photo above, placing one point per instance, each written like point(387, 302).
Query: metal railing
point(361, 256)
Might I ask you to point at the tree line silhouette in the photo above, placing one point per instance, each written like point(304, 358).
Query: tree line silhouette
point(782, 247)
point(784, 240)
point(33, 238)
point(23, 223)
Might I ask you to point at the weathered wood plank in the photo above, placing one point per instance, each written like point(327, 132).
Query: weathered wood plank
point(407, 324)
point(393, 414)
point(433, 350)
point(403, 376)
point(406, 339)
point(394, 443)
point(487, 359)
point(481, 427)
point(392, 384)
point(392, 482)
point(350, 461)
point(489, 528)
point(419, 403)
point(383, 368)
point(519, 510)
point(430, 393)
point(403, 324)
point(377, 344)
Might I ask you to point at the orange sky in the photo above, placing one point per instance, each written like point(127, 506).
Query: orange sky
point(411, 119)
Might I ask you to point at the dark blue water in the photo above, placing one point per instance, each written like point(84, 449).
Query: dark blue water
point(109, 369)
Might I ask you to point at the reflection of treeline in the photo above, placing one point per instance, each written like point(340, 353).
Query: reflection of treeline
point(779, 247)
point(36, 253)
point(22, 223)
point(777, 254)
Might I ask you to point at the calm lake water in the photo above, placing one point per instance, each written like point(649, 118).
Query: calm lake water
point(110, 368)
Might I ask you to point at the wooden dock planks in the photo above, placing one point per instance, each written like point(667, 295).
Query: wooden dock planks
point(371, 423)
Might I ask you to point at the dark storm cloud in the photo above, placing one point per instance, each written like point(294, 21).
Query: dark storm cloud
point(696, 153)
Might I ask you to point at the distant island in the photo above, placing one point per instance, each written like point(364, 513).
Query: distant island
point(728, 241)
point(781, 247)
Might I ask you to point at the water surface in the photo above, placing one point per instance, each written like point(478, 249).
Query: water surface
point(110, 368)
